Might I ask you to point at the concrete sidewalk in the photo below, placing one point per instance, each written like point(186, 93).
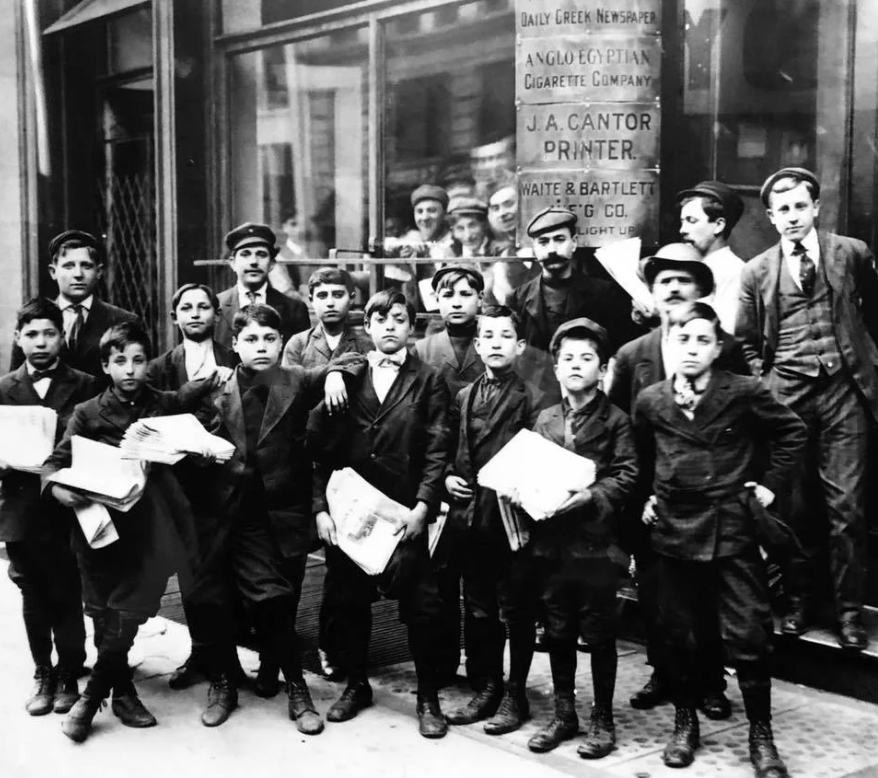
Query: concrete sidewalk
point(818, 734)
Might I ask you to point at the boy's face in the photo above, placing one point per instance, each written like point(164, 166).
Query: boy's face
point(127, 369)
point(672, 288)
point(429, 216)
point(498, 343)
point(76, 274)
point(578, 365)
point(389, 333)
point(469, 231)
point(251, 264)
point(696, 229)
point(195, 315)
point(793, 212)
point(503, 210)
point(331, 303)
point(40, 341)
point(554, 250)
point(696, 347)
point(258, 346)
point(458, 304)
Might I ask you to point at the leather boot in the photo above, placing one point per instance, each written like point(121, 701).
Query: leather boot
point(483, 705)
point(43, 698)
point(680, 750)
point(431, 722)
point(512, 712)
point(267, 684)
point(77, 723)
point(356, 696)
point(189, 673)
point(563, 727)
point(302, 710)
point(130, 710)
point(653, 693)
point(763, 754)
point(601, 735)
point(222, 699)
point(66, 691)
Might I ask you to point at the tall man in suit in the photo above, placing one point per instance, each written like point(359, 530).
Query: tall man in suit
point(252, 252)
point(76, 265)
point(807, 321)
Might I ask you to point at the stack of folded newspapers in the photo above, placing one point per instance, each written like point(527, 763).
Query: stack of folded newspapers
point(533, 475)
point(27, 436)
point(167, 439)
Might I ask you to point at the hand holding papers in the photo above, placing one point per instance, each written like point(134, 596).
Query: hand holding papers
point(27, 436)
point(167, 439)
point(622, 261)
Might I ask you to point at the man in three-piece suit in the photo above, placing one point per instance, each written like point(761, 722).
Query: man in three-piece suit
point(252, 254)
point(807, 321)
point(76, 265)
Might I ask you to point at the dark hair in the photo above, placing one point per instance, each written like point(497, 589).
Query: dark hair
point(330, 275)
point(178, 295)
point(40, 308)
point(120, 336)
point(583, 333)
point(713, 210)
point(681, 315)
point(75, 243)
point(791, 181)
point(501, 312)
point(263, 315)
point(449, 279)
point(382, 302)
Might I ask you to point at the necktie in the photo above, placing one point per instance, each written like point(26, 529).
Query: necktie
point(685, 394)
point(252, 297)
point(386, 361)
point(39, 375)
point(75, 328)
point(807, 270)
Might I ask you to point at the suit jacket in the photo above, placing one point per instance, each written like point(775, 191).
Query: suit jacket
point(400, 446)
point(515, 408)
point(639, 364)
point(697, 468)
point(436, 350)
point(293, 312)
point(86, 357)
point(606, 438)
point(853, 284)
point(22, 513)
point(310, 349)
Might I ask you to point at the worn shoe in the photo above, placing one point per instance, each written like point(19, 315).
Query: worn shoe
point(483, 705)
point(328, 667)
point(653, 693)
point(795, 622)
point(132, 712)
point(716, 706)
point(563, 726)
point(267, 683)
point(852, 634)
point(187, 674)
point(43, 698)
point(222, 699)
point(680, 750)
point(601, 735)
point(763, 753)
point(302, 710)
point(66, 691)
point(77, 723)
point(355, 697)
point(512, 712)
point(431, 722)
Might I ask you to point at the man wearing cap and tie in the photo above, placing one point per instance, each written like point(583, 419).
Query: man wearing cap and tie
point(252, 255)
point(807, 321)
point(76, 265)
point(709, 212)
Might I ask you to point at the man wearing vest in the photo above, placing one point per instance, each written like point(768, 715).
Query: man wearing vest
point(807, 321)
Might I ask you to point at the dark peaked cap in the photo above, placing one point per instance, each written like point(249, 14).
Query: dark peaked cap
point(733, 205)
point(798, 173)
point(85, 238)
point(251, 234)
point(551, 218)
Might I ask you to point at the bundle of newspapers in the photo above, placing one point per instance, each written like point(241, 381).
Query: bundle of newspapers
point(167, 439)
point(27, 436)
point(533, 477)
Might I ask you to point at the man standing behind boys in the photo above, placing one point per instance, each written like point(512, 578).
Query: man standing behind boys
point(76, 265)
point(808, 320)
point(37, 536)
point(577, 577)
point(395, 435)
point(252, 253)
point(498, 582)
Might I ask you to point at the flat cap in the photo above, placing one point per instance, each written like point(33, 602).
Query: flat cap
point(430, 192)
point(733, 205)
point(679, 256)
point(468, 206)
point(252, 234)
point(551, 218)
point(798, 173)
point(591, 328)
point(85, 239)
point(477, 279)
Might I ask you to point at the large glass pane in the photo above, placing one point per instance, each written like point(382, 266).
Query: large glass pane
point(299, 118)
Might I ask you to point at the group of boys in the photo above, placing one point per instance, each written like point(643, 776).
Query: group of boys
point(688, 482)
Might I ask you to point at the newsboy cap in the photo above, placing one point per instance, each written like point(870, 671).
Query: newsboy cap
point(551, 218)
point(252, 234)
point(592, 330)
point(679, 256)
point(797, 173)
point(733, 205)
point(430, 192)
point(474, 275)
point(85, 239)
point(468, 206)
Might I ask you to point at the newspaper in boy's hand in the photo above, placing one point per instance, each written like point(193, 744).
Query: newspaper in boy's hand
point(27, 436)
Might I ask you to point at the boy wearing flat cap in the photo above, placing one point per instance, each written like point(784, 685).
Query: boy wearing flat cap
point(471, 236)
point(252, 253)
point(807, 321)
point(709, 212)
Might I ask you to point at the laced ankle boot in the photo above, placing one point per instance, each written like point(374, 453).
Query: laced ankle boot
point(512, 712)
point(680, 750)
point(563, 726)
point(601, 737)
point(78, 722)
point(222, 699)
point(43, 698)
point(481, 706)
point(301, 708)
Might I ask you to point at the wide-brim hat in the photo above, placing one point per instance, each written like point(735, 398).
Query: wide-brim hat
point(679, 256)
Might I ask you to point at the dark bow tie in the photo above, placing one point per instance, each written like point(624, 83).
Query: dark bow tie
point(39, 375)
